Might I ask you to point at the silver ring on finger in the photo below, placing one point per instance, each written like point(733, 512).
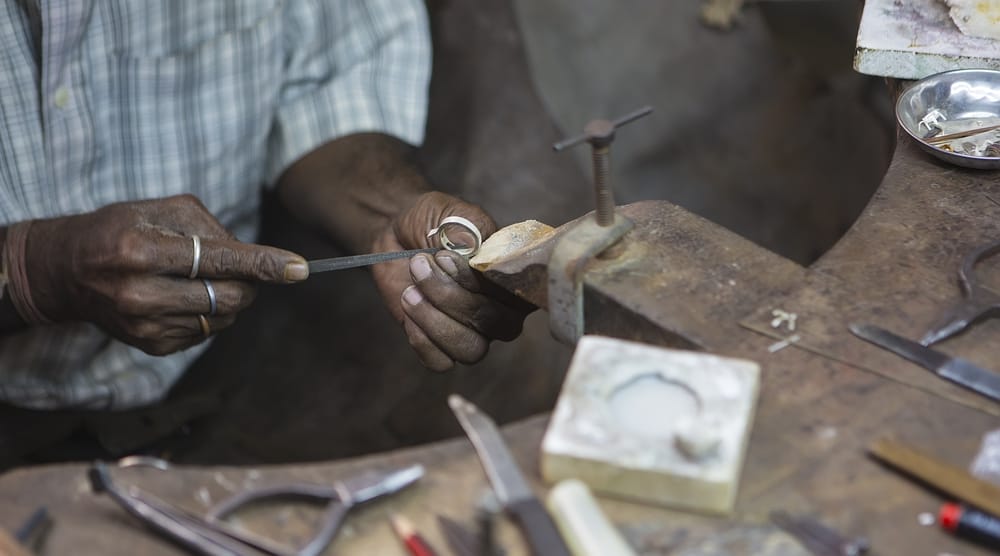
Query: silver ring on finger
point(195, 256)
point(206, 329)
point(213, 305)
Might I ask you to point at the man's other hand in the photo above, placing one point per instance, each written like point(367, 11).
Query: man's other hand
point(125, 268)
point(450, 314)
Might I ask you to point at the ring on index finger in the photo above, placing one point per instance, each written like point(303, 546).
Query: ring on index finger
point(463, 250)
point(213, 305)
point(195, 256)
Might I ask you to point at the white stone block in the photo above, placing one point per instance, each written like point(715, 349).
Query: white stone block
point(653, 424)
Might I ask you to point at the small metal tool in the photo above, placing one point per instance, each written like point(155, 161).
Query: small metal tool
point(959, 371)
point(977, 301)
point(818, 538)
point(509, 484)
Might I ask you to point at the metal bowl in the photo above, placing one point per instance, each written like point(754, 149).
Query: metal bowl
point(957, 94)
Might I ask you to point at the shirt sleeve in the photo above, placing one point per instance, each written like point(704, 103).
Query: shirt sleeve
point(351, 66)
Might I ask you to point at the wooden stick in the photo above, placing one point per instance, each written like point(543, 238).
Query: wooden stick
point(942, 476)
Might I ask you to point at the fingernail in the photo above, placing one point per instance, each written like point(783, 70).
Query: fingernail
point(296, 271)
point(420, 268)
point(448, 264)
point(411, 295)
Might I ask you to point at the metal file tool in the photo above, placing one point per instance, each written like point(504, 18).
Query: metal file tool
point(356, 261)
point(509, 484)
point(438, 234)
point(959, 371)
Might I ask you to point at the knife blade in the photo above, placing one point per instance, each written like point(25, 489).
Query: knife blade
point(961, 372)
point(355, 261)
point(508, 483)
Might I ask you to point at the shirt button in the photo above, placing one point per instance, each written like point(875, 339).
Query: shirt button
point(61, 98)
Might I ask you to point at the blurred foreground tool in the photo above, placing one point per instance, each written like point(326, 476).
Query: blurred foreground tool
point(944, 477)
point(970, 524)
point(35, 529)
point(818, 538)
point(582, 523)
point(212, 535)
point(10, 547)
point(414, 542)
point(511, 488)
point(464, 542)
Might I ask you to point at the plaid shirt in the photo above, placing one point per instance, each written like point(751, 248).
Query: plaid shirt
point(114, 100)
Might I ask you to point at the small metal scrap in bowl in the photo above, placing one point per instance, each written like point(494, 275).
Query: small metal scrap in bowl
point(955, 116)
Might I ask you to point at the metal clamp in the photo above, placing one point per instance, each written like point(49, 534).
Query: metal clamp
point(590, 236)
point(569, 259)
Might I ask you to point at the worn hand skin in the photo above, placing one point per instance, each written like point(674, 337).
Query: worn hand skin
point(365, 193)
point(125, 268)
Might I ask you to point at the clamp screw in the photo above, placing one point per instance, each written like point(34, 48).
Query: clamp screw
point(600, 134)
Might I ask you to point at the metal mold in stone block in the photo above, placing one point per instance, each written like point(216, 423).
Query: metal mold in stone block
point(653, 424)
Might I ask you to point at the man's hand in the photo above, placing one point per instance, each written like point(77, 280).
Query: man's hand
point(448, 312)
point(125, 268)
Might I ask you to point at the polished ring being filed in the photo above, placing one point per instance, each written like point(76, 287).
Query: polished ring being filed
point(206, 329)
point(212, 303)
point(464, 250)
point(195, 257)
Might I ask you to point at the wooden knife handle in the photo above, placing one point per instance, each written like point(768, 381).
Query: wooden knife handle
point(538, 528)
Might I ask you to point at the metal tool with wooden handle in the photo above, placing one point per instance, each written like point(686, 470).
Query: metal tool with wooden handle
point(511, 488)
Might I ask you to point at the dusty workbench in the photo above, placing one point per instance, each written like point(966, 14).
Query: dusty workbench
point(823, 399)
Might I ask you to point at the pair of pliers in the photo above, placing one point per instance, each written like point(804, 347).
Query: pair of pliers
point(977, 301)
point(211, 535)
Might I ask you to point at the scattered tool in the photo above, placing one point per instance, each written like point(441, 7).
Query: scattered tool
point(415, 544)
point(977, 301)
point(461, 540)
point(440, 233)
point(957, 370)
point(971, 524)
point(818, 538)
point(946, 478)
point(584, 526)
point(487, 510)
point(211, 535)
point(511, 488)
point(34, 530)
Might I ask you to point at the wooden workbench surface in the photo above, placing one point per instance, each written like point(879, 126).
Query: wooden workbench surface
point(822, 400)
